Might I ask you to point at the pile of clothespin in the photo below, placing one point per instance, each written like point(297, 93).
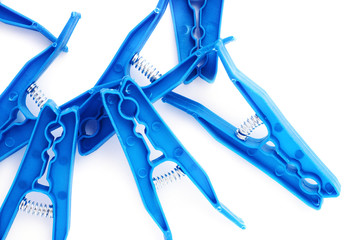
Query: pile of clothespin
point(117, 104)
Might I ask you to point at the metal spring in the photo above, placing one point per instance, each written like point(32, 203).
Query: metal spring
point(37, 95)
point(174, 175)
point(248, 127)
point(35, 208)
point(145, 68)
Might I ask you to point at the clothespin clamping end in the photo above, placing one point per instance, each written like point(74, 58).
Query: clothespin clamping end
point(129, 108)
point(46, 168)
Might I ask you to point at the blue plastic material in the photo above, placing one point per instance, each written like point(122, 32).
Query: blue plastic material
point(90, 104)
point(197, 23)
point(37, 162)
point(156, 90)
point(126, 110)
point(14, 135)
point(290, 162)
point(12, 17)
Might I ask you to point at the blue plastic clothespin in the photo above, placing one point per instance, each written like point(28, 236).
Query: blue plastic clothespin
point(12, 17)
point(130, 107)
point(156, 90)
point(14, 135)
point(90, 103)
point(290, 161)
point(48, 157)
point(197, 23)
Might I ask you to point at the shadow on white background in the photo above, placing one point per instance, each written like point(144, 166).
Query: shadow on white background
point(304, 54)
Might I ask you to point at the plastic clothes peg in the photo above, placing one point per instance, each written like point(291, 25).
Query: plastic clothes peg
point(290, 161)
point(15, 134)
point(90, 103)
point(51, 157)
point(12, 17)
point(197, 23)
point(129, 108)
point(104, 130)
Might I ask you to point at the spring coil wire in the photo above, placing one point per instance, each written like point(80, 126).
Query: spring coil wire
point(170, 177)
point(36, 208)
point(248, 127)
point(37, 95)
point(145, 68)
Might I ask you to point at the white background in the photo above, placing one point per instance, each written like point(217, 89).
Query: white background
point(305, 54)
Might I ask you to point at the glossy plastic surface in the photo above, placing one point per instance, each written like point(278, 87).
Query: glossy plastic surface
point(12, 17)
point(37, 162)
point(129, 108)
point(156, 90)
point(90, 104)
point(15, 134)
point(197, 23)
point(290, 162)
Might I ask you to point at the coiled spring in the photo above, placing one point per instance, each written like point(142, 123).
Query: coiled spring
point(35, 208)
point(174, 175)
point(37, 95)
point(248, 127)
point(145, 68)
